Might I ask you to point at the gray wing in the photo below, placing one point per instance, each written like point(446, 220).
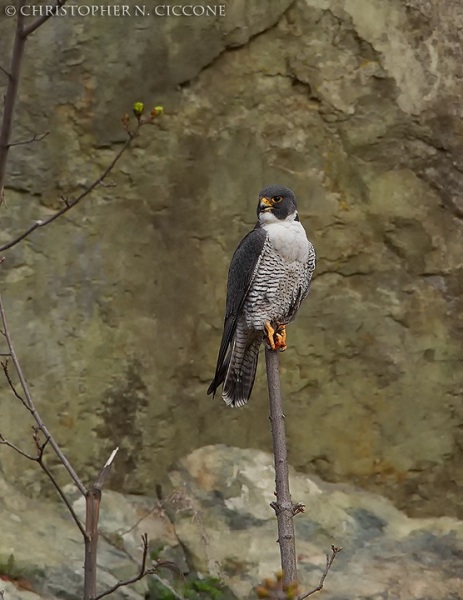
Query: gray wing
point(240, 276)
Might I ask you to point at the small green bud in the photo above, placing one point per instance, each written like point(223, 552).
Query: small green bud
point(138, 109)
point(157, 110)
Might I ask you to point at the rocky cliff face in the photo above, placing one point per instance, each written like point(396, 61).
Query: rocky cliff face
point(116, 309)
point(215, 519)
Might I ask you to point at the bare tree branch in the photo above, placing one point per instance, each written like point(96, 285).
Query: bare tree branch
point(157, 506)
point(63, 496)
point(6, 442)
point(92, 515)
point(167, 585)
point(283, 507)
point(40, 450)
point(71, 203)
point(11, 91)
point(30, 404)
point(39, 459)
point(329, 561)
point(5, 72)
point(98, 485)
point(22, 32)
point(12, 386)
point(34, 138)
point(143, 572)
point(93, 493)
point(41, 20)
point(140, 575)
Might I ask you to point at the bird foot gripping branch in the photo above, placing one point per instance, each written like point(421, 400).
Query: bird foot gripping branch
point(276, 338)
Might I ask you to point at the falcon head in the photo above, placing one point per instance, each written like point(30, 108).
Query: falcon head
point(276, 202)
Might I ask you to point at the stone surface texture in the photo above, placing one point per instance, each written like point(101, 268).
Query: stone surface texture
point(42, 551)
point(221, 524)
point(385, 553)
point(116, 308)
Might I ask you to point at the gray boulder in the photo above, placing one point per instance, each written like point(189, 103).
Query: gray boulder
point(222, 517)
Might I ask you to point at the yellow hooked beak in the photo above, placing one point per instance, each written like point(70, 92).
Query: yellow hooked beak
point(265, 202)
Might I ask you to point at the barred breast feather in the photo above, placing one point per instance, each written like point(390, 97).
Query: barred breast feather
point(277, 290)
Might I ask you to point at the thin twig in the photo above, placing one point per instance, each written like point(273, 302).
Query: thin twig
point(41, 20)
point(133, 579)
point(167, 585)
point(157, 506)
point(329, 561)
point(98, 485)
point(71, 203)
point(34, 138)
point(143, 572)
point(137, 577)
point(40, 448)
point(5, 72)
point(63, 497)
point(5, 442)
point(28, 399)
point(12, 386)
point(39, 459)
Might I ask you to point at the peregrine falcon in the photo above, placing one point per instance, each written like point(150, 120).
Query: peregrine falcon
point(269, 276)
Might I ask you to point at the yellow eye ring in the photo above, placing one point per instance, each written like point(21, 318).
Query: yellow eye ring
point(277, 199)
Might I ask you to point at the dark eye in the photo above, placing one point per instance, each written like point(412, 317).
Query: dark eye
point(277, 199)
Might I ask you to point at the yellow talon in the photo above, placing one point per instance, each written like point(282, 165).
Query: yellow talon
point(276, 338)
point(270, 333)
point(280, 336)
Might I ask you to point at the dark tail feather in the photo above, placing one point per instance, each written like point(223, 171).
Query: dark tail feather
point(241, 370)
point(219, 376)
point(223, 359)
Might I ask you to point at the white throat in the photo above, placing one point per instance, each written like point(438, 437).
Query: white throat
point(287, 237)
point(266, 218)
